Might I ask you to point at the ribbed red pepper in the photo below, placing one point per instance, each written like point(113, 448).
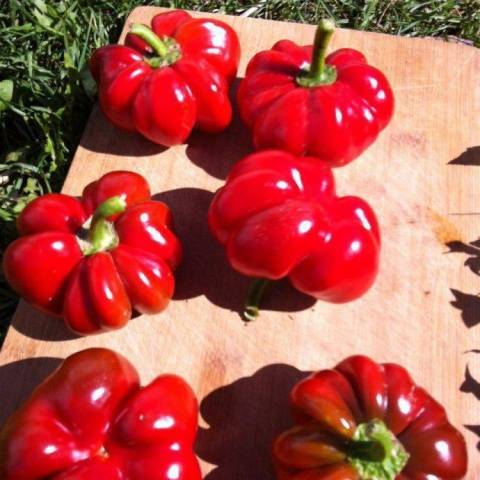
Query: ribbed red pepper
point(368, 421)
point(295, 99)
point(169, 79)
point(91, 420)
point(95, 260)
point(278, 216)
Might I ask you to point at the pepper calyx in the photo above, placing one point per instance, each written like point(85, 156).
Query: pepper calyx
point(376, 453)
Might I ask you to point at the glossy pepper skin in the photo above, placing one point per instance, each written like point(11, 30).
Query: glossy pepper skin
point(169, 79)
point(91, 420)
point(332, 406)
point(278, 216)
point(295, 99)
point(95, 276)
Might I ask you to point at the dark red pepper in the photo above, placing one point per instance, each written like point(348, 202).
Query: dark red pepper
point(295, 99)
point(368, 421)
point(278, 216)
point(169, 79)
point(91, 420)
point(95, 260)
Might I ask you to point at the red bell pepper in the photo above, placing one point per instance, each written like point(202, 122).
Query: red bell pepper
point(295, 99)
point(91, 420)
point(95, 260)
point(368, 421)
point(169, 79)
point(278, 216)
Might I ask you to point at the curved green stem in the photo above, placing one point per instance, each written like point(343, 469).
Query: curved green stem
point(101, 234)
point(254, 297)
point(320, 73)
point(111, 206)
point(149, 36)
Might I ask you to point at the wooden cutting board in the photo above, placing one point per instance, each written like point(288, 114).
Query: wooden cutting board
point(423, 311)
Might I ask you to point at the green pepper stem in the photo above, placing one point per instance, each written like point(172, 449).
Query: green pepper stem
point(101, 234)
point(371, 451)
point(149, 36)
point(375, 452)
point(320, 73)
point(323, 35)
point(254, 297)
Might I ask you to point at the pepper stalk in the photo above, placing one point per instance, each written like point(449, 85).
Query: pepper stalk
point(376, 453)
point(166, 49)
point(254, 297)
point(101, 233)
point(320, 73)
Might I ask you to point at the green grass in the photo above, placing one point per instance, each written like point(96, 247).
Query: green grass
point(45, 96)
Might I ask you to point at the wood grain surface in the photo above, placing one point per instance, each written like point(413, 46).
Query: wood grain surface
point(422, 176)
